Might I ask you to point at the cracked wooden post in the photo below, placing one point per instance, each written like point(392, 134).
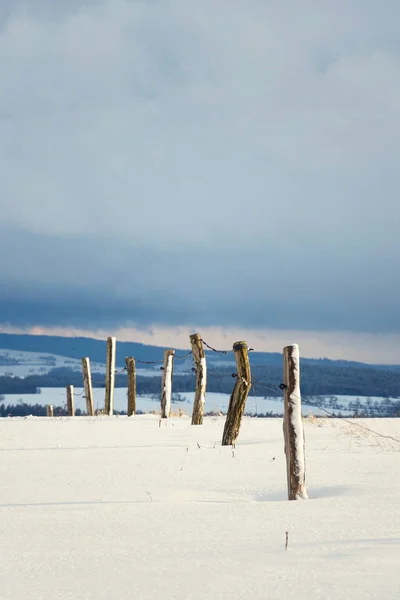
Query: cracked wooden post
point(49, 410)
point(110, 376)
point(87, 384)
point(166, 384)
point(131, 370)
point(70, 401)
point(293, 425)
point(239, 395)
point(201, 378)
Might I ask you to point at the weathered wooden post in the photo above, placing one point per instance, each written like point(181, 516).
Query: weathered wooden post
point(166, 384)
point(201, 378)
point(293, 425)
point(131, 370)
point(110, 376)
point(239, 395)
point(70, 401)
point(49, 410)
point(87, 384)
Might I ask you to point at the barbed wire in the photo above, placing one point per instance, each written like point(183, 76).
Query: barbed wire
point(184, 356)
point(223, 376)
point(280, 390)
point(226, 352)
point(352, 423)
point(267, 387)
point(120, 372)
point(149, 362)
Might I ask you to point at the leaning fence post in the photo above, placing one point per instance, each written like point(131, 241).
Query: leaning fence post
point(110, 376)
point(131, 370)
point(201, 378)
point(293, 425)
point(49, 410)
point(239, 395)
point(70, 401)
point(87, 384)
point(166, 383)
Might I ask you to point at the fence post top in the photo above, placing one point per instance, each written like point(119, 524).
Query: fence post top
point(291, 348)
point(195, 336)
point(240, 346)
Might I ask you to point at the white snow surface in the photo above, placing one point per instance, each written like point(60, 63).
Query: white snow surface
point(115, 508)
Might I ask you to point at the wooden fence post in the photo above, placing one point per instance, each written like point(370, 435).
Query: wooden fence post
point(239, 395)
point(201, 378)
point(110, 376)
point(49, 410)
point(131, 370)
point(166, 384)
point(70, 401)
point(87, 384)
point(293, 425)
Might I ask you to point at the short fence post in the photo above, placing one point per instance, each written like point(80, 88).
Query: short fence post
point(131, 370)
point(201, 378)
point(87, 384)
point(49, 410)
point(239, 395)
point(166, 384)
point(70, 401)
point(110, 376)
point(293, 425)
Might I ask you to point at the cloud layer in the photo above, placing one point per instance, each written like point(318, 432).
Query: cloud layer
point(219, 163)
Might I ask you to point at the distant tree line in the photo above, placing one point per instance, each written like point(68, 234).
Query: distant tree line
point(23, 409)
point(316, 380)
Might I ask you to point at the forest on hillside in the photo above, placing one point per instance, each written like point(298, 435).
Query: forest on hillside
point(316, 380)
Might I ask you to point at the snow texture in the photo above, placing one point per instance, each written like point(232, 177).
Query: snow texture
point(111, 508)
point(203, 364)
point(297, 423)
point(168, 383)
point(111, 357)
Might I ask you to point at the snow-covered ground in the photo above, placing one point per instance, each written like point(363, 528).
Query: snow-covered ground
point(114, 508)
point(214, 402)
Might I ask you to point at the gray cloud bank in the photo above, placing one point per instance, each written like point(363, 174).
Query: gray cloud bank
point(227, 163)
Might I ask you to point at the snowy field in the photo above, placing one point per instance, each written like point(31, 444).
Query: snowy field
point(120, 508)
point(215, 402)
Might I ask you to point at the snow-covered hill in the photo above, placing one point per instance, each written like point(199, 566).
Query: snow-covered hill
point(18, 363)
point(21, 364)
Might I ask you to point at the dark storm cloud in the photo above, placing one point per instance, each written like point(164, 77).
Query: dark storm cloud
point(231, 164)
point(74, 282)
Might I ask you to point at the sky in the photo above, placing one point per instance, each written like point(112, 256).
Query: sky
point(223, 166)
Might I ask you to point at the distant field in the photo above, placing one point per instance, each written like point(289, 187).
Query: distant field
point(22, 364)
point(214, 402)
